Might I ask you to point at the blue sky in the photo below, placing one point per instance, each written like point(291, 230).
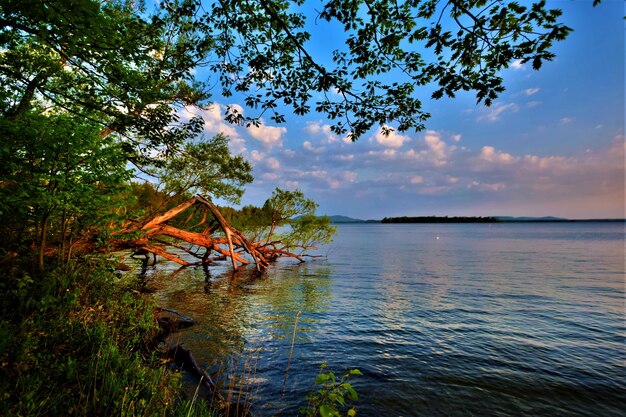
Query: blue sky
point(552, 144)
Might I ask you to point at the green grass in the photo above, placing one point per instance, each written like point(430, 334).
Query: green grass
point(77, 341)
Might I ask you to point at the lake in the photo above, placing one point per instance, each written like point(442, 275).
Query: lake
point(443, 320)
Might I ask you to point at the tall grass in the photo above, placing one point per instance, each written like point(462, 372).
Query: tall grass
point(76, 341)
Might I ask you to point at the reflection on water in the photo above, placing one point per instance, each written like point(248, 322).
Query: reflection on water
point(504, 319)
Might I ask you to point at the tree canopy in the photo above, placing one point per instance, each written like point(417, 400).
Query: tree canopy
point(129, 68)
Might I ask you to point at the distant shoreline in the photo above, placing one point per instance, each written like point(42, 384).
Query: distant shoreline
point(496, 220)
point(461, 219)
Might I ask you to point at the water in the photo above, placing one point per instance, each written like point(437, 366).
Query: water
point(443, 320)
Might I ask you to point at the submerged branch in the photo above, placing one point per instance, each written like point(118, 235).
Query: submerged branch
point(156, 235)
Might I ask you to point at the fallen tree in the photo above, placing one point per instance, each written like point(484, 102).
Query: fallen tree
point(217, 239)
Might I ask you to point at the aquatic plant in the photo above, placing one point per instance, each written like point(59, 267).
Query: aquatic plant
point(331, 396)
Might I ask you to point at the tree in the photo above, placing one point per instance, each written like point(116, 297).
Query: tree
point(58, 177)
point(203, 167)
point(282, 206)
point(161, 231)
point(301, 231)
point(391, 50)
point(105, 61)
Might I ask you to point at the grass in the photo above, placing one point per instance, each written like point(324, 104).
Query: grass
point(77, 341)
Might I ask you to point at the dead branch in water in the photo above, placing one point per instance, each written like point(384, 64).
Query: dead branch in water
point(155, 233)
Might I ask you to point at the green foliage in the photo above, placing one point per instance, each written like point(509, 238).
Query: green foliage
point(59, 178)
point(331, 396)
point(74, 342)
point(107, 61)
point(307, 232)
point(145, 198)
point(204, 167)
point(284, 205)
point(130, 68)
point(393, 53)
point(286, 221)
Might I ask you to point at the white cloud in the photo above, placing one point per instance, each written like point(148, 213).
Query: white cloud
point(268, 135)
point(499, 186)
point(256, 155)
point(214, 123)
point(312, 148)
point(566, 120)
point(436, 147)
point(493, 113)
point(344, 158)
point(531, 91)
point(348, 176)
point(435, 151)
point(517, 64)
point(270, 176)
point(434, 167)
point(312, 128)
point(391, 140)
point(317, 128)
point(235, 108)
point(272, 163)
point(489, 154)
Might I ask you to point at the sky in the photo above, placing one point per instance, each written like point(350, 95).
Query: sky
point(551, 145)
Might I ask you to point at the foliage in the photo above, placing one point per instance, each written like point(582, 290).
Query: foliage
point(58, 177)
point(307, 232)
point(75, 341)
point(391, 49)
point(331, 396)
point(106, 61)
point(145, 198)
point(284, 205)
point(204, 167)
point(131, 69)
point(286, 221)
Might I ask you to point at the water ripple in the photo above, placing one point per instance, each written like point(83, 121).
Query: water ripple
point(500, 320)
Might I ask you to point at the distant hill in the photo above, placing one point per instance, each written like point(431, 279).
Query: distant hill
point(440, 219)
point(338, 218)
point(344, 219)
point(554, 219)
point(464, 219)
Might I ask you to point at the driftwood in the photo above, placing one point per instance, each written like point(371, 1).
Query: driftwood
point(230, 243)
